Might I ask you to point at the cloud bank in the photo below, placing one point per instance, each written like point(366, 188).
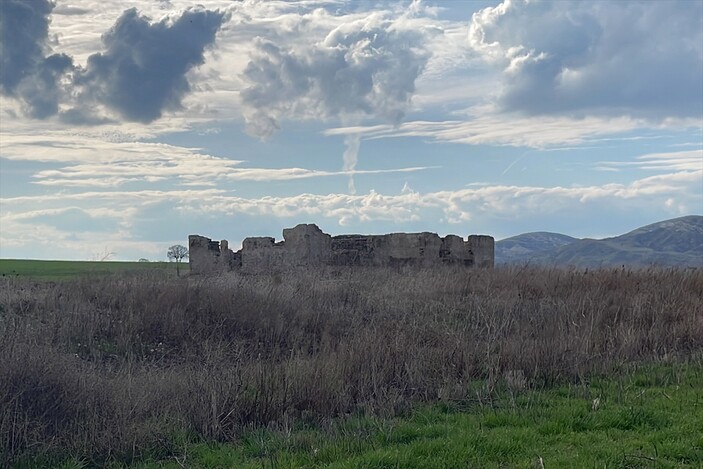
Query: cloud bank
point(364, 68)
point(638, 58)
point(673, 193)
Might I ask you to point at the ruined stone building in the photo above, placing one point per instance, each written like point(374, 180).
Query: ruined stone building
point(307, 245)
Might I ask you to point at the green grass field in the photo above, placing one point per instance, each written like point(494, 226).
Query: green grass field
point(57, 270)
point(652, 418)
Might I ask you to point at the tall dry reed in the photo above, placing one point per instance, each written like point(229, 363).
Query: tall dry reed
point(114, 367)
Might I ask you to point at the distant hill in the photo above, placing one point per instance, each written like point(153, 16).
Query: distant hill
point(675, 242)
point(524, 247)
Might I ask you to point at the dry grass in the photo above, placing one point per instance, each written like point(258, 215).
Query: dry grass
point(118, 366)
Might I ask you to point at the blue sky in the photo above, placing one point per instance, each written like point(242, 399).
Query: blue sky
point(125, 126)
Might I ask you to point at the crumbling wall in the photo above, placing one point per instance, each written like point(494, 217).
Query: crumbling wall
point(262, 255)
point(301, 246)
point(421, 249)
point(455, 251)
point(206, 255)
point(307, 245)
point(482, 249)
point(352, 250)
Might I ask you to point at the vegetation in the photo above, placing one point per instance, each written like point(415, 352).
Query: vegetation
point(354, 368)
point(651, 418)
point(61, 270)
point(177, 253)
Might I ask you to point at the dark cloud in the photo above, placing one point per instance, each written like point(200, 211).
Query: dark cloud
point(141, 73)
point(40, 92)
point(643, 59)
point(362, 69)
point(24, 30)
point(25, 71)
point(143, 69)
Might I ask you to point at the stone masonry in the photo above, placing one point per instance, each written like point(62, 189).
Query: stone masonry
point(307, 245)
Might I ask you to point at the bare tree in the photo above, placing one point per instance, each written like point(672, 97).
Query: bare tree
point(177, 253)
point(105, 255)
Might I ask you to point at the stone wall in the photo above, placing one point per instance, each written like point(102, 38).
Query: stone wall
point(211, 256)
point(307, 245)
point(482, 250)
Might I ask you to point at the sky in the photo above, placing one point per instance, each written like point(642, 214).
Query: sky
point(126, 126)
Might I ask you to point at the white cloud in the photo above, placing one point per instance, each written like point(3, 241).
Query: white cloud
point(460, 204)
point(99, 163)
point(495, 199)
point(691, 160)
point(43, 241)
point(484, 206)
point(500, 129)
point(99, 212)
point(115, 198)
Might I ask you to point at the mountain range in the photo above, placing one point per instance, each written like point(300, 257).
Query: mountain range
point(675, 242)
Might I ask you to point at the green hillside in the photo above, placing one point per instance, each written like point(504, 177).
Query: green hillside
point(56, 270)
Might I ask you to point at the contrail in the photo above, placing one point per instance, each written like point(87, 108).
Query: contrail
point(351, 156)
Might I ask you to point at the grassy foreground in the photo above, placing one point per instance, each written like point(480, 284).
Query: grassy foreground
point(59, 270)
point(651, 418)
point(367, 368)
